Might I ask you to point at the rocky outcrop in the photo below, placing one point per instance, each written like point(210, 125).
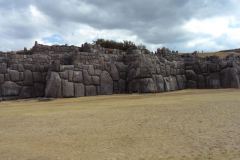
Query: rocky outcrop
point(70, 71)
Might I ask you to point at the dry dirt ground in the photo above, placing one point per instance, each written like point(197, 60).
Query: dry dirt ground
point(183, 125)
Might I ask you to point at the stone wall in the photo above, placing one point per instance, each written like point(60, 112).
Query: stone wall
point(70, 71)
point(212, 72)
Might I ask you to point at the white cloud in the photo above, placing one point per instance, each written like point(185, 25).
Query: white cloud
point(185, 26)
point(210, 32)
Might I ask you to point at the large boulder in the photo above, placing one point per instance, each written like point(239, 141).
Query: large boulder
point(38, 77)
point(230, 78)
point(213, 81)
point(14, 75)
point(122, 86)
point(39, 89)
point(9, 88)
point(90, 90)
point(67, 89)
point(27, 92)
point(87, 78)
point(173, 83)
point(114, 72)
point(201, 82)
point(133, 86)
point(77, 76)
point(54, 86)
point(106, 83)
point(147, 85)
point(167, 85)
point(3, 68)
point(28, 77)
point(159, 83)
point(191, 75)
point(95, 80)
point(79, 90)
point(191, 84)
point(1, 78)
point(181, 80)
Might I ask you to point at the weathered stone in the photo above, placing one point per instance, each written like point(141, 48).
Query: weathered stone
point(106, 83)
point(28, 77)
point(173, 83)
point(55, 66)
point(213, 81)
point(114, 72)
point(91, 70)
point(143, 72)
point(191, 84)
point(87, 78)
point(79, 90)
point(27, 92)
point(191, 75)
point(95, 80)
point(201, 82)
point(1, 78)
point(148, 85)
point(3, 68)
point(78, 76)
point(168, 70)
point(159, 83)
point(97, 72)
point(9, 88)
point(38, 77)
point(64, 75)
point(67, 89)
point(90, 90)
point(39, 90)
point(20, 68)
point(14, 75)
point(230, 78)
point(6, 77)
point(167, 84)
point(122, 86)
point(181, 80)
point(66, 67)
point(54, 86)
point(70, 75)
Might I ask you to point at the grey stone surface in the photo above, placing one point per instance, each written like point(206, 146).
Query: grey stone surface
point(28, 77)
point(77, 76)
point(159, 83)
point(106, 83)
point(67, 89)
point(213, 81)
point(90, 90)
point(14, 75)
point(9, 88)
point(230, 78)
point(79, 90)
point(147, 85)
point(54, 86)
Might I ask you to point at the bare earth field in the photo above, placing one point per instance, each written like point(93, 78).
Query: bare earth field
point(184, 125)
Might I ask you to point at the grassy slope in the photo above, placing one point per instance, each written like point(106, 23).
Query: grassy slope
point(219, 54)
point(191, 124)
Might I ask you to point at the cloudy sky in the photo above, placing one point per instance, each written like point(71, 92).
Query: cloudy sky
point(184, 25)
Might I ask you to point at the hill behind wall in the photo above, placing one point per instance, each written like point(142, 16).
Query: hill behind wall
point(70, 71)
